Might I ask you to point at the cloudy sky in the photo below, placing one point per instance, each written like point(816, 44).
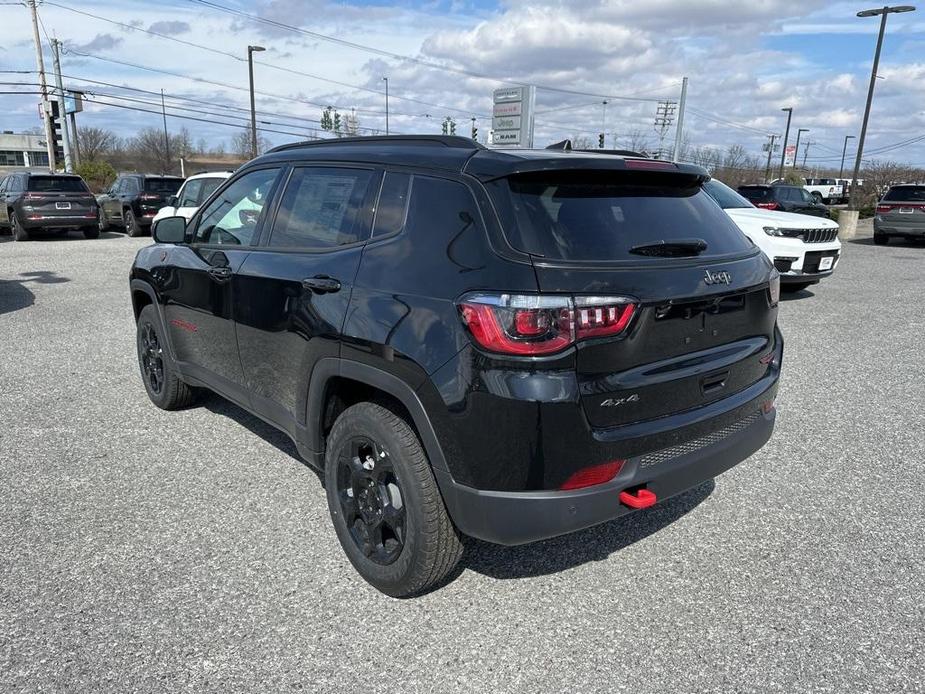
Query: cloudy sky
point(745, 62)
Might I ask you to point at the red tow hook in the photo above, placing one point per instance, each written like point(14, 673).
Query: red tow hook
point(643, 498)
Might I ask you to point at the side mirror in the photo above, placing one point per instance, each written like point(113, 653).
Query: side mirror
point(169, 230)
point(172, 201)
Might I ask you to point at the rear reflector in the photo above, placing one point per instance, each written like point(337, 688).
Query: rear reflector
point(596, 474)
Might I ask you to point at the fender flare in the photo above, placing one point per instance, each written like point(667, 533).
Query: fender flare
point(136, 285)
point(332, 367)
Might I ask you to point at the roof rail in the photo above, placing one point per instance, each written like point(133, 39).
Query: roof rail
point(454, 141)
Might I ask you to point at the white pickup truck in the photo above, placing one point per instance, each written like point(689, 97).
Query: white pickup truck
point(827, 190)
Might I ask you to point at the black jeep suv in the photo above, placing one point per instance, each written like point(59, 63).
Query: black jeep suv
point(133, 200)
point(33, 203)
point(509, 345)
point(784, 198)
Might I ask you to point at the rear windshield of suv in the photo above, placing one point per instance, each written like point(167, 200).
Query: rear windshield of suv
point(906, 194)
point(57, 184)
point(163, 185)
point(757, 193)
point(725, 196)
point(584, 216)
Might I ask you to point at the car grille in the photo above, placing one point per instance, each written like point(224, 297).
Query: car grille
point(812, 235)
point(666, 454)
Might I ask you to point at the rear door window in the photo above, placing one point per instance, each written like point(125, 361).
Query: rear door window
point(324, 208)
point(392, 205)
point(578, 216)
point(56, 184)
point(905, 194)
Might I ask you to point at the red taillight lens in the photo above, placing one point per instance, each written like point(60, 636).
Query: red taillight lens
point(530, 325)
point(32, 196)
point(502, 326)
point(768, 205)
point(596, 474)
point(650, 165)
point(884, 208)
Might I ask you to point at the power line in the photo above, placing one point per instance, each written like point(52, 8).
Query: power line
point(404, 58)
point(260, 62)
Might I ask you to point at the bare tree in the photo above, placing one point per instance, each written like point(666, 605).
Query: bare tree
point(95, 143)
point(241, 143)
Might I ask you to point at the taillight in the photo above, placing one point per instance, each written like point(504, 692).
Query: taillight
point(596, 474)
point(768, 205)
point(149, 196)
point(32, 196)
point(884, 208)
point(531, 325)
point(774, 288)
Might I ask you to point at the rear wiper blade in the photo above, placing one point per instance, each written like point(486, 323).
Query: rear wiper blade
point(671, 249)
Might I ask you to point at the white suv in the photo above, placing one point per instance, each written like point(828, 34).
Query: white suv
point(804, 249)
point(195, 191)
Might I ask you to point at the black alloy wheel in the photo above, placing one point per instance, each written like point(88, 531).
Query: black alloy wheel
point(371, 500)
point(152, 359)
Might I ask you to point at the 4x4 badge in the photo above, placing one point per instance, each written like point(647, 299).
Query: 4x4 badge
point(717, 277)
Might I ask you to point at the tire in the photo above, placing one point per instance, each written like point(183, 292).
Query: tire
point(415, 550)
point(881, 239)
point(818, 196)
point(794, 288)
point(131, 224)
point(91, 232)
point(103, 221)
point(164, 387)
point(16, 229)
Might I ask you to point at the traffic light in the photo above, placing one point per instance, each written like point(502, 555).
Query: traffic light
point(56, 124)
point(475, 133)
point(600, 141)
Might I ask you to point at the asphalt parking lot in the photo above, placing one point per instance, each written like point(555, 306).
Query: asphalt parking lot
point(149, 551)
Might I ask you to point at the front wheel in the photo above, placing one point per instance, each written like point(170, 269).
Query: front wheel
point(164, 387)
point(385, 505)
point(817, 196)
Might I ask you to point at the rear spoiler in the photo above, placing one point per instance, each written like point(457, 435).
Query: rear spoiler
point(492, 165)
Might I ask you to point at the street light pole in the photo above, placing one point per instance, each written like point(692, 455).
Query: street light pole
point(796, 153)
point(386, 80)
point(841, 170)
point(783, 149)
point(883, 12)
point(250, 73)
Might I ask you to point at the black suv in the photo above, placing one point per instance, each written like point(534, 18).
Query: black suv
point(31, 203)
point(134, 199)
point(784, 198)
point(509, 345)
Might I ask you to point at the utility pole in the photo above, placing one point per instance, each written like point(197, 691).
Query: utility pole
point(796, 149)
point(40, 63)
point(679, 128)
point(250, 74)
point(783, 149)
point(883, 12)
point(166, 136)
point(806, 151)
point(770, 146)
point(65, 140)
point(664, 117)
point(75, 142)
point(386, 80)
point(841, 170)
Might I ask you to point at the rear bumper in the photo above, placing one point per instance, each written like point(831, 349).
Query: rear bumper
point(916, 231)
point(512, 518)
point(57, 221)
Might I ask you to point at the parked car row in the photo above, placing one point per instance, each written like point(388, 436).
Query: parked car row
point(56, 203)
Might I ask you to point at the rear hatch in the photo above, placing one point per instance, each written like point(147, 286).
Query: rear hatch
point(903, 206)
point(704, 319)
point(65, 197)
point(759, 196)
point(156, 192)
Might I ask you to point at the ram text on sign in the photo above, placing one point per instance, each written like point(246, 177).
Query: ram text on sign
point(507, 137)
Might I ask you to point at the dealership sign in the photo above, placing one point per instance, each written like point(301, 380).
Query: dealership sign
point(512, 116)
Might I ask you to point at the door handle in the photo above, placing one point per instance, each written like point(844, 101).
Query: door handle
point(322, 284)
point(220, 273)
